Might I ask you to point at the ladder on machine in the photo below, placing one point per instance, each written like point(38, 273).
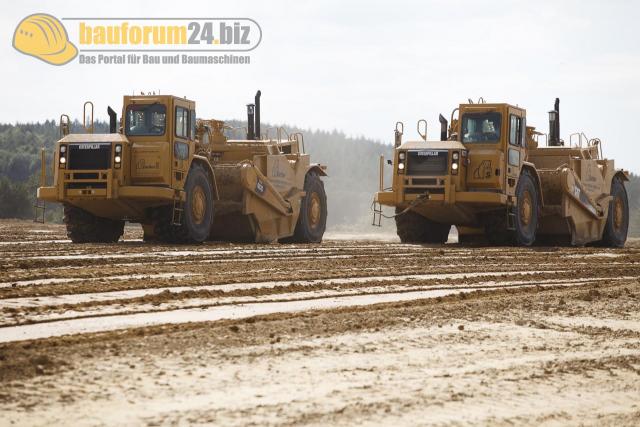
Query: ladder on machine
point(39, 211)
point(377, 214)
point(511, 218)
point(178, 210)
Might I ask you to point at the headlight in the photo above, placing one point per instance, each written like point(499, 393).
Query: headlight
point(117, 159)
point(454, 166)
point(455, 155)
point(62, 156)
point(401, 155)
point(400, 166)
point(118, 148)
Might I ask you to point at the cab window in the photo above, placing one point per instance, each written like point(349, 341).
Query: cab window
point(192, 121)
point(481, 127)
point(182, 122)
point(145, 119)
point(515, 130)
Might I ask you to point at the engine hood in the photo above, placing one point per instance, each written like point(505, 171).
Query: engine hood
point(432, 145)
point(76, 138)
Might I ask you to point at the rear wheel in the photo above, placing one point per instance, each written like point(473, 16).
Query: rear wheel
point(312, 220)
point(414, 228)
point(197, 214)
point(83, 227)
point(617, 225)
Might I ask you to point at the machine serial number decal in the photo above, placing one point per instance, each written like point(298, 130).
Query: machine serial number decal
point(428, 153)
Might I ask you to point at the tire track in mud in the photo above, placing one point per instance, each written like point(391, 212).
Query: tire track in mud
point(102, 323)
point(320, 299)
point(49, 284)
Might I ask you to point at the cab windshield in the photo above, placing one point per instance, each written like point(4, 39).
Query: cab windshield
point(481, 127)
point(146, 119)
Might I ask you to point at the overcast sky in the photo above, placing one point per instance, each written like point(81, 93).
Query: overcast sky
point(361, 66)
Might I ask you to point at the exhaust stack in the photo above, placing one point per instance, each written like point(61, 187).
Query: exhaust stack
point(113, 120)
point(257, 115)
point(250, 122)
point(554, 125)
point(444, 124)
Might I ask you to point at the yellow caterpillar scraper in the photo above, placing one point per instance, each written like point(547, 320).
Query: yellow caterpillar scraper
point(488, 176)
point(183, 179)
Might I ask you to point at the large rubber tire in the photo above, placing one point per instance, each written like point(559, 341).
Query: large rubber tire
point(414, 228)
point(83, 227)
point(312, 220)
point(527, 210)
point(526, 216)
point(197, 214)
point(617, 225)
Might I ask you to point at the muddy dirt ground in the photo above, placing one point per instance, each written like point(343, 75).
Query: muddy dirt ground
point(346, 332)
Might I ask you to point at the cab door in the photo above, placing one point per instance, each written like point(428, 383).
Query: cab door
point(181, 142)
point(482, 130)
point(515, 148)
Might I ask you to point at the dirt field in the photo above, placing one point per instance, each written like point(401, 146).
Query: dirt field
point(349, 331)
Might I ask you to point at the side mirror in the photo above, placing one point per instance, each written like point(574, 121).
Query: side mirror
point(389, 162)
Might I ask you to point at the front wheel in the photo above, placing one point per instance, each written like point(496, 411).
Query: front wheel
point(83, 227)
point(414, 228)
point(526, 214)
point(197, 213)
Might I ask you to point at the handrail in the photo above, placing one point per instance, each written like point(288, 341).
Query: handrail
point(84, 117)
point(596, 142)
point(399, 130)
point(301, 140)
point(65, 125)
point(279, 133)
point(580, 136)
point(43, 167)
point(424, 136)
point(381, 173)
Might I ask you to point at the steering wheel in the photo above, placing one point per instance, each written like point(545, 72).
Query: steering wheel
point(156, 129)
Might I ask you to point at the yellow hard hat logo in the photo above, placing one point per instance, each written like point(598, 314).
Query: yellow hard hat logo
point(44, 37)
